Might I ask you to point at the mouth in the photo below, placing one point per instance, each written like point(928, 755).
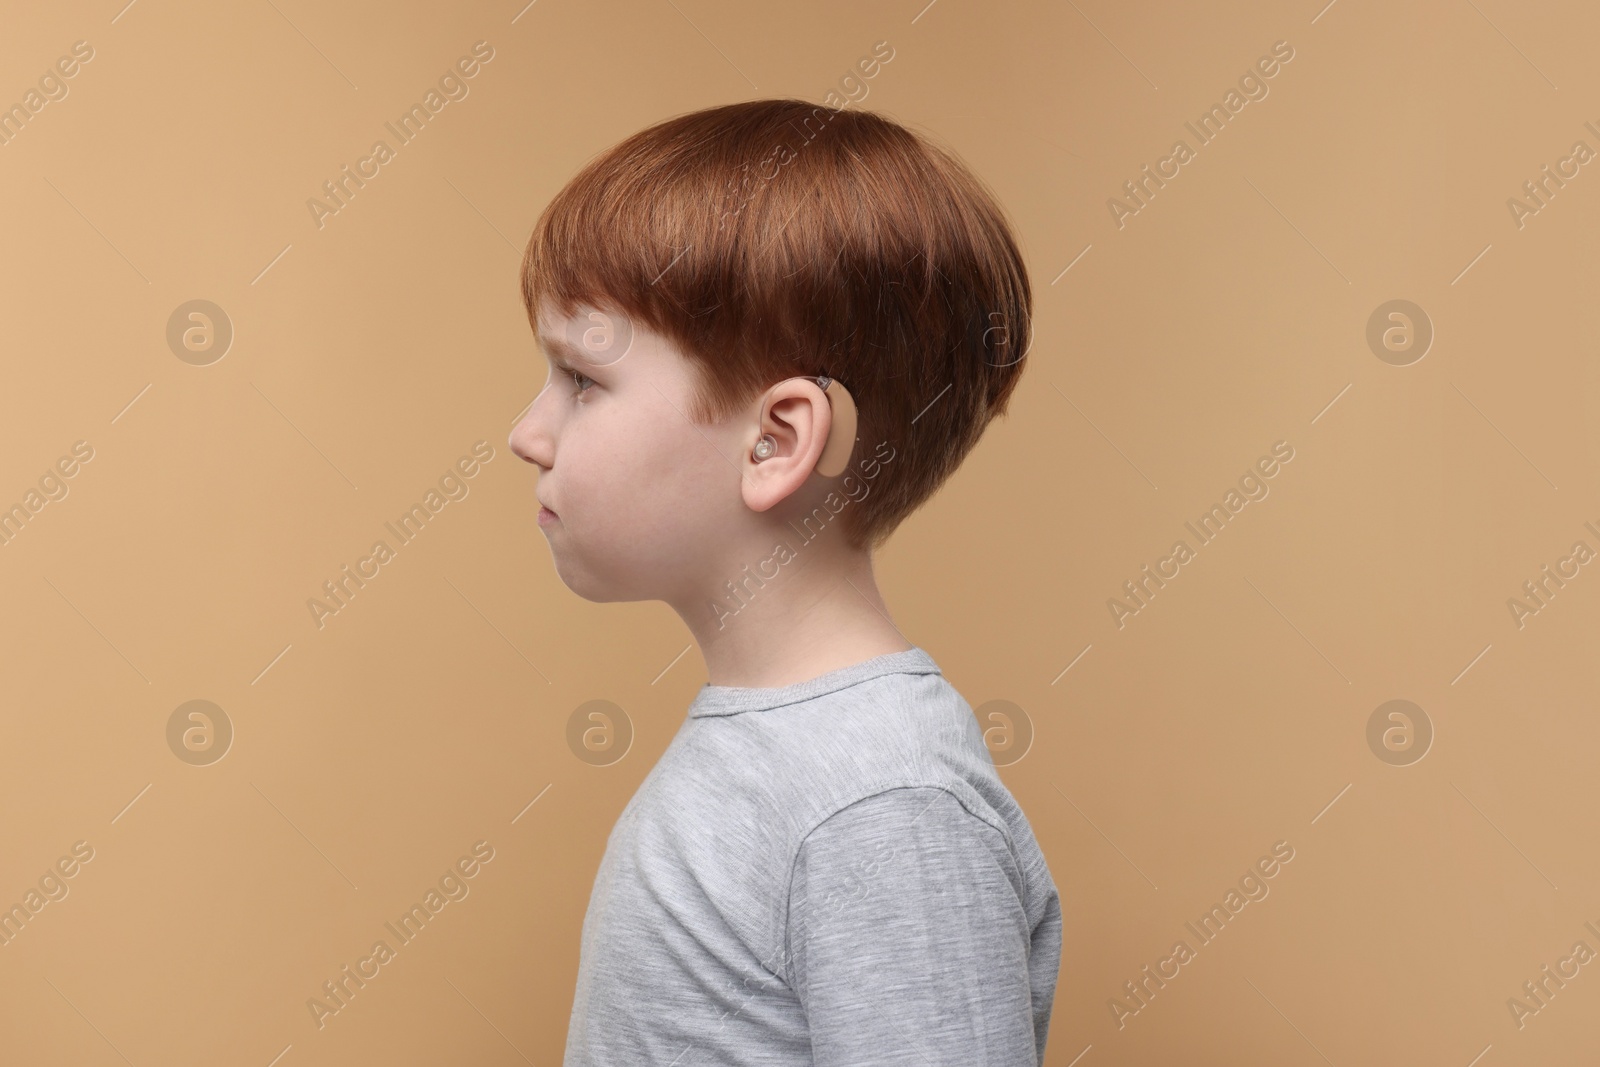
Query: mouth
point(546, 516)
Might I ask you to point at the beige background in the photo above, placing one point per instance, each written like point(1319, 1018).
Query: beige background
point(369, 354)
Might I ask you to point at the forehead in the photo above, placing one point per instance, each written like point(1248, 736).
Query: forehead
point(592, 335)
point(554, 344)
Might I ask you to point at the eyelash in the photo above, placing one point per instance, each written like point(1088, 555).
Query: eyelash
point(574, 375)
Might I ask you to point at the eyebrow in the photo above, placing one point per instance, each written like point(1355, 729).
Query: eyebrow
point(559, 349)
point(558, 346)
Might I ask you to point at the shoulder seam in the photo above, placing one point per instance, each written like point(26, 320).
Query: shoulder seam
point(788, 894)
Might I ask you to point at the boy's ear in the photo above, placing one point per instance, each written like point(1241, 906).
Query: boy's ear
point(787, 470)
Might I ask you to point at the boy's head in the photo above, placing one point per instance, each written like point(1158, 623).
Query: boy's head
point(686, 283)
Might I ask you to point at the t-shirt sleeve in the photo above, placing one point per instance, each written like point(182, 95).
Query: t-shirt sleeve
point(908, 939)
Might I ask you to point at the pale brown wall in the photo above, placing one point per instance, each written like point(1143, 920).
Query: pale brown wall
point(1227, 315)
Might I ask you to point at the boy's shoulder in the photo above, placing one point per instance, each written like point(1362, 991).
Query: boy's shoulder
point(737, 793)
point(801, 762)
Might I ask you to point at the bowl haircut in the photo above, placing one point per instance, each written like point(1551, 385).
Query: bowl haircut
point(774, 238)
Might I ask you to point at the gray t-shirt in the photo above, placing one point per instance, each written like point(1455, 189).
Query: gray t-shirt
point(828, 873)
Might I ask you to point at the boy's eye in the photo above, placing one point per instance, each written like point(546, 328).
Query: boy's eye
point(580, 382)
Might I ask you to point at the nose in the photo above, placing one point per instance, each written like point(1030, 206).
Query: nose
point(531, 437)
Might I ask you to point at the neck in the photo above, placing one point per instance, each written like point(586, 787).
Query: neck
point(792, 617)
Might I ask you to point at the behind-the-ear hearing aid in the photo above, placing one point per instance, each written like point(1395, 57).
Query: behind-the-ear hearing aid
point(841, 437)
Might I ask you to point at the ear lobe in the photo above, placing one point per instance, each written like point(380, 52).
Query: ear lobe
point(842, 437)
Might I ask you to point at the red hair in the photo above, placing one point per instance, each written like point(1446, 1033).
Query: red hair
point(774, 238)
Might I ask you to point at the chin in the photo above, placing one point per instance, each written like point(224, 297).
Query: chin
point(590, 586)
point(615, 570)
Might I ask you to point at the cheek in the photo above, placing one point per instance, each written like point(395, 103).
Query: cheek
point(662, 479)
point(629, 473)
point(611, 469)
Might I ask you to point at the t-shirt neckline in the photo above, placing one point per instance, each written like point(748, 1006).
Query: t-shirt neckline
point(731, 700)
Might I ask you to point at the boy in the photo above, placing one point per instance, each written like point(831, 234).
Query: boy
point(775, 329)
